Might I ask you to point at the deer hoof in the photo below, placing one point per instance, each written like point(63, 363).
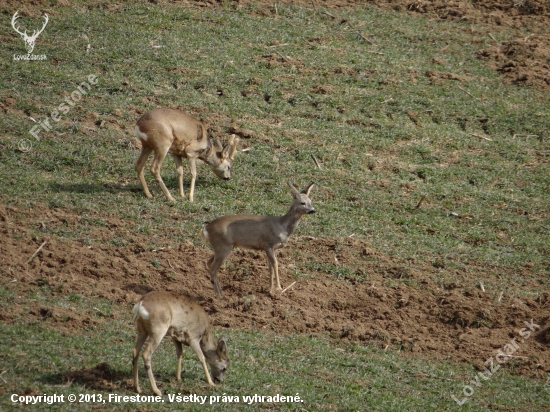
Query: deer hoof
point(276, 293)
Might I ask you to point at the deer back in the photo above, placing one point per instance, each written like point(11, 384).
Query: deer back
point(247, 231)
point(183, 133)
point(176, 313)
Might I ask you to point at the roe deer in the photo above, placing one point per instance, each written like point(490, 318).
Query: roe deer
point(170, 130)
point(255, 232)
point(158, 314)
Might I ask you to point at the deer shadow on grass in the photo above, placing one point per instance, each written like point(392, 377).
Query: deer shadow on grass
point(103, 377)
point(100, 377)
point(99, 187)
point(93, 188)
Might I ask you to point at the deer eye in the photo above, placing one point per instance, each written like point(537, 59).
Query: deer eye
point(303, 203)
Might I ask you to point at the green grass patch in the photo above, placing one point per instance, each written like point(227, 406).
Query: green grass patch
point(325, 374)
point(384, 133)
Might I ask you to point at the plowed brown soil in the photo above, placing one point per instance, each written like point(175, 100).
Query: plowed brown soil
point(376, 300)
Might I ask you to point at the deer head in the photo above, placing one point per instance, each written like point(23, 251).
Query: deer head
point(29, 40)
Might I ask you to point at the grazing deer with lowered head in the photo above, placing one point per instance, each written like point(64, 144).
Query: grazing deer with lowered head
point(265, 233)
point(170, 130)
point(165, 313)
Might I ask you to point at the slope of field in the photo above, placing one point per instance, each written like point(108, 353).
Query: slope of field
point(341, 286)
point(424, 126)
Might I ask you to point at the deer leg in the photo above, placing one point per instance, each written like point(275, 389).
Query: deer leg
point(179, 169)
point(274, 270)
point(179, 352)
point(271, 275)
point(193, 169)
point(154, 340)
point(140, 164)
point(214, 264)
point(155, 169)
point(209, 262)
point(196, 347)
point(140, 340)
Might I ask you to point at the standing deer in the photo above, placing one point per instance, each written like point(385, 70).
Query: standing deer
point(169, 130)
point(255, 232)
point(29, 40)
point(165, 313)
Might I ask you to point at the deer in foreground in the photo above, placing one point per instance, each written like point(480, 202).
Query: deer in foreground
point(158, 314)
point(265, 233)
point(169, 130)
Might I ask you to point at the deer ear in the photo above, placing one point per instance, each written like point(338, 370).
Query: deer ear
point(233, 142)
point(308, 189)
point(219, 143)
point(222, 348)
point(293, 190)
point(226, 152)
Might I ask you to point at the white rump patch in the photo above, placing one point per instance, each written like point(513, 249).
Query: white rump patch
point(143, 314)
point(205, 233)
point(139, 134)
point(140, 311)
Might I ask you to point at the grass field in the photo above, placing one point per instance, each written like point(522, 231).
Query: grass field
point(326, 376)
point(422, 166)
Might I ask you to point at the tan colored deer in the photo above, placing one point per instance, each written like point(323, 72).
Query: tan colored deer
point(160, 314)
point(170, 130)
point(265, 233)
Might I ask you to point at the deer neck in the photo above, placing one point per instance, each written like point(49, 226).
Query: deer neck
point(206, 154)
point(208, 342)
point(290, 220)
